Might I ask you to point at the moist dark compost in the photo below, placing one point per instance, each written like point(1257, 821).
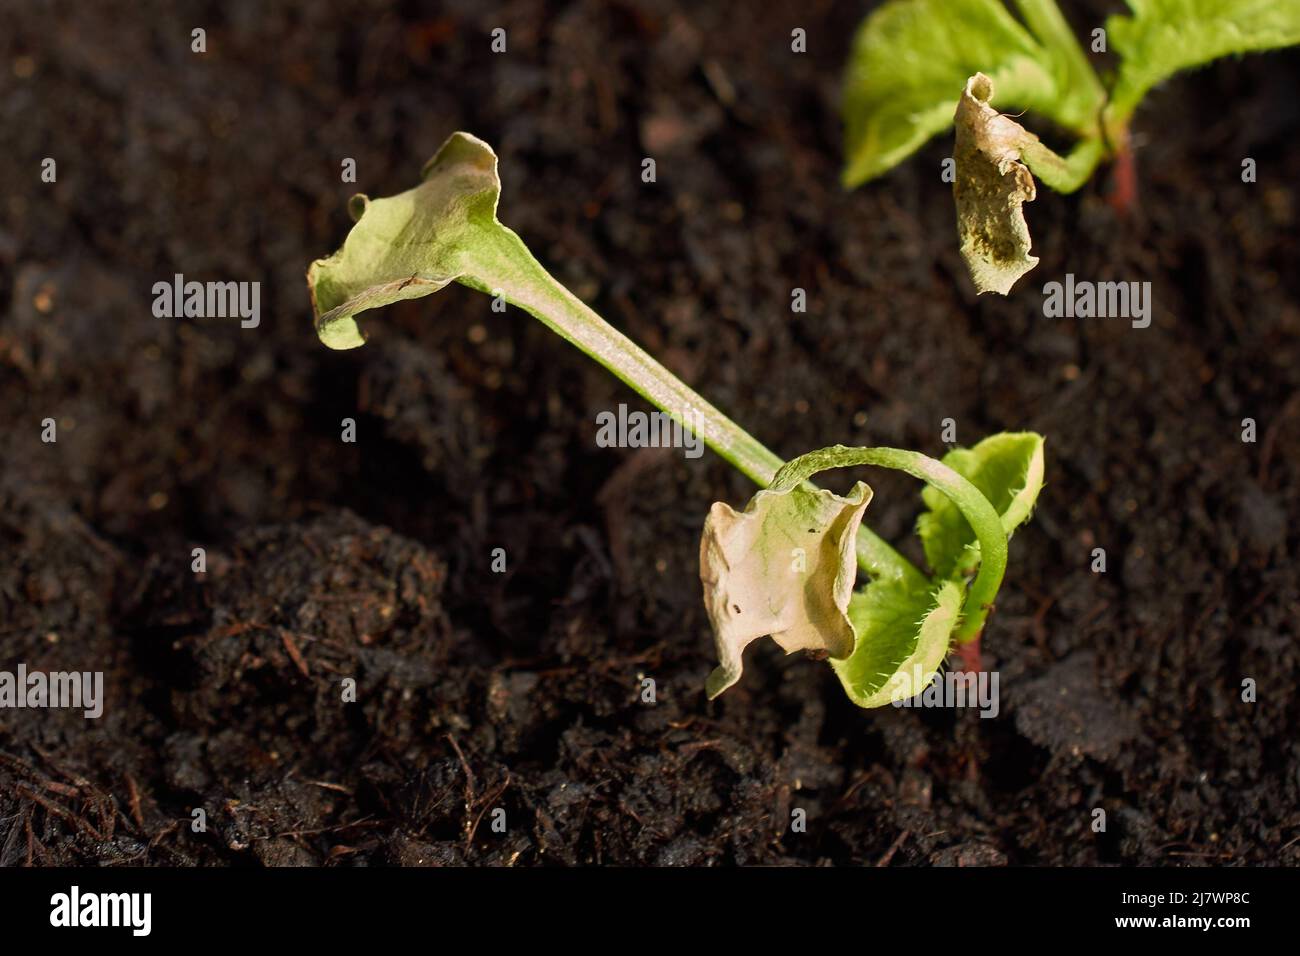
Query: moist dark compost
point(522, 691)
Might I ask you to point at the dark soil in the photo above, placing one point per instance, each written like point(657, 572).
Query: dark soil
point(521, 691)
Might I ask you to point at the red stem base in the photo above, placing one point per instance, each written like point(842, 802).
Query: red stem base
point(1124, 181)
point(966, 658)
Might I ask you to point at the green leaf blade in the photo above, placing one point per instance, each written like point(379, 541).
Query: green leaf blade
point(1008, 469)
point(903, 636)
point(1084, 93)
point(911, 58)
point(1162, 37)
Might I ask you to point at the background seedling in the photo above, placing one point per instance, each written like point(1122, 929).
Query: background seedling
point(446, 230)
point(911, 58)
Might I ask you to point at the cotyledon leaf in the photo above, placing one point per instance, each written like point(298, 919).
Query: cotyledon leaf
point(990, 188)
point(411, 244)
point(784, 567)
point(996, 160)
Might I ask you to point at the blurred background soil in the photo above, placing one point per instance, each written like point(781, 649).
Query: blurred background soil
point(476, 430)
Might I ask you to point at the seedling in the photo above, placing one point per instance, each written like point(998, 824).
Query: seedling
point(885, 640)
point(911, 57)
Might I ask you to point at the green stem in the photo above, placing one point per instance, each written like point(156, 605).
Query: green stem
point(976, 509)
point(1064, 174)
point(525, 283)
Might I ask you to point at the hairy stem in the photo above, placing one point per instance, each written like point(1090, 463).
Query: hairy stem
point(1064, 174)
point(976, 509)
point(525, 283)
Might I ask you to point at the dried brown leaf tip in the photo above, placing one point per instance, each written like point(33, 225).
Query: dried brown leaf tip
point(991, 187)
point(784, 567)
